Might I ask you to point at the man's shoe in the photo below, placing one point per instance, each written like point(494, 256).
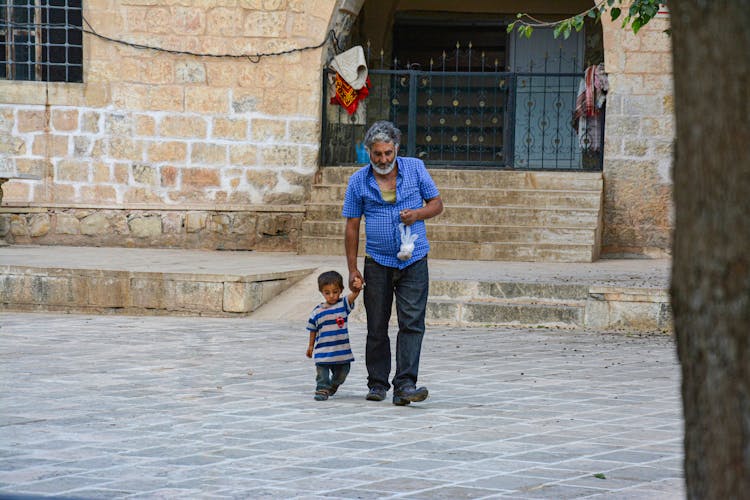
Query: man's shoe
point(411, 394)
point(376, 394)
point(400, 401)
point(333, 390)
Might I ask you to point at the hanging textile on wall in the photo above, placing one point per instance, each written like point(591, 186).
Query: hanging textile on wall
point(347, 96)
point(587, 116)
point(351, 83)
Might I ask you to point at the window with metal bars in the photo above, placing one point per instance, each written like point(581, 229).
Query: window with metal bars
point(41, 40)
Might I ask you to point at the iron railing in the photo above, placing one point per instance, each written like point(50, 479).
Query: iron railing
point(487, 119)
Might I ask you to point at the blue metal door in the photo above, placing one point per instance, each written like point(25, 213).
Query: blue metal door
point(544, 103)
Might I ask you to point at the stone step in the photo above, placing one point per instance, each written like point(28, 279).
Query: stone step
point(493, 216)
point(489, 215)
point(523, 252)
point(566, 294)
point(507, 303)
point(126, 292)
point(470, 313)
point(490, 179)
point(473, 233)
point(453, 196)
point(495, 303)
point(461, 250)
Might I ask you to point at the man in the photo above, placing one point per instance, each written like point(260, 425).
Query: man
point(389, 191)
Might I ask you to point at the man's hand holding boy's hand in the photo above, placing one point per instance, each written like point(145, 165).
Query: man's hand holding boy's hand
point(354, 275)
point(357, 284)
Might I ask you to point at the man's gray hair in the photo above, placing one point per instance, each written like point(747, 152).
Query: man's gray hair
point(382, 131)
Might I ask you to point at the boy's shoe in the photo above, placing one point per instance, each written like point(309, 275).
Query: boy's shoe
point(376, 394)
point(321, 395)
point(333, 390)
point(410, 394)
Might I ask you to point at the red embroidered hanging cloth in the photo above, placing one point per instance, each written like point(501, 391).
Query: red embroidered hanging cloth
point(346, 96)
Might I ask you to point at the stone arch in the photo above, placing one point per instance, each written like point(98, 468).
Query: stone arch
point(342, 20)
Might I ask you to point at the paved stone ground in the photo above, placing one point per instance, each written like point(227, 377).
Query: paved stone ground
point(161, 407)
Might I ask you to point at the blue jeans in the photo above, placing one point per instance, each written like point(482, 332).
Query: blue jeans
point(327, 376)
point(410, 286)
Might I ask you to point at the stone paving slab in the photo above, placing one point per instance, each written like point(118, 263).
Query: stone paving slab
point(170, 407)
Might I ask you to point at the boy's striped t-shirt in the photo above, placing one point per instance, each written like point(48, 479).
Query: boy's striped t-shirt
point(332, 340)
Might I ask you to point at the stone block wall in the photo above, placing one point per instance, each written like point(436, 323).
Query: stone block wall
point(151, 137)
point(260, 228)
point(639, 133)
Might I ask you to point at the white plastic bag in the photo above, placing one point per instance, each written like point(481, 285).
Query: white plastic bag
point(407, 242)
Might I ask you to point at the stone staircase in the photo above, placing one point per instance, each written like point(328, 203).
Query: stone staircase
point(491, 303)
point(524, 304)
point(489, 215)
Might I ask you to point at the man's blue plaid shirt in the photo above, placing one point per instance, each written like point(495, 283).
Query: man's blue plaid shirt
point(413, 186)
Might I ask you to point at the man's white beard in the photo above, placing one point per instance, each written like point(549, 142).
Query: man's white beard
point(384, 171)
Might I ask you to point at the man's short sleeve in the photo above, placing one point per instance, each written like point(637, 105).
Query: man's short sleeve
point(427, 187)
point(353, 198)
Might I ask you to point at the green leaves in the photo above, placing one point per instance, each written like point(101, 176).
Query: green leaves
point(566, 26)
point(636, 24)
point(563, 26)
point(524, 29)
point(638, 15)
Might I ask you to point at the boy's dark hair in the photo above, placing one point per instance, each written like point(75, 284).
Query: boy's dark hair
point(330, 278)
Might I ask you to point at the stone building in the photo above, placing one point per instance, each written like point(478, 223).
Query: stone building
point(199, 124)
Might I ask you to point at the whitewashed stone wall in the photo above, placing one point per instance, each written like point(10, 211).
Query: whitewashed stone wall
point(120, 157)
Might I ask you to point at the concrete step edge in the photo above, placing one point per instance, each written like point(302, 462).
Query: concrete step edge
point(450, 225)
point(531, 302)
point(459, 170)
point(449, 242)
point(593, 206)
point(490, 189)
point(337, 205)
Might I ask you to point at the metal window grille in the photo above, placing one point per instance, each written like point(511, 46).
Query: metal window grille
point(41, 40)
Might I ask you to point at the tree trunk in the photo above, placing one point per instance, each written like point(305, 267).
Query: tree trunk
point(711, 258)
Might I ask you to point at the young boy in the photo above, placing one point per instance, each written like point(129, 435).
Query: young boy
point(329, 335)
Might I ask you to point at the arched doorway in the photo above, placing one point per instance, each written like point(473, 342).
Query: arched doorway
point(464, 91)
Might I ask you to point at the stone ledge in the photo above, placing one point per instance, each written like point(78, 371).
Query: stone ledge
point(95, 290)
point(622, 294)
point(639, 309)
point(600, 308)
